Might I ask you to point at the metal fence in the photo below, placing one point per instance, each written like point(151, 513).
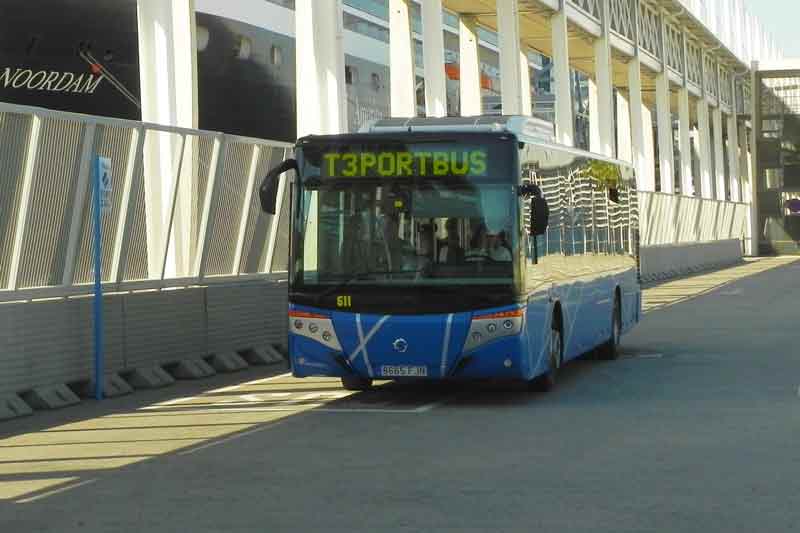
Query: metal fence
point(672, 219)
point(684, 234)
point(183, 206)
point(190, 264)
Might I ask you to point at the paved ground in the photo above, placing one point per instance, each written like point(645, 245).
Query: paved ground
point(696, 428)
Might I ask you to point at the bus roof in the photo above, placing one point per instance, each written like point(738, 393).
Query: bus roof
point(526, 129)
point(517, 125)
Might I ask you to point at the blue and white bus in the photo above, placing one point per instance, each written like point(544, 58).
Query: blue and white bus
point(455, 248)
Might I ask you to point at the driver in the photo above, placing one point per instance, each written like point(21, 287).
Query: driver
point(497, 249)
point(487, 245)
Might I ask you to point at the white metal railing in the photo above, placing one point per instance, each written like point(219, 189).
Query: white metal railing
point(694, 63)
point(673, 48)
point(183, 206)
point(589, 7)
point(649, 29)
point(623, 21)
point(710, 72)
point(674, 219)
point(725, 87)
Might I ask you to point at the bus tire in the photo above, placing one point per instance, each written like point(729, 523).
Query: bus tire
point(610, 349)
point(547, 381)
point(356, 383)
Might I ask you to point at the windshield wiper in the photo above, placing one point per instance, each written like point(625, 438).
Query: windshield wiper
point(361, 276)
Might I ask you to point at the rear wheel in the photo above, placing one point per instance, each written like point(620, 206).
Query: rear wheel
point(356, 383)
point(610, 349)
point(547, 381)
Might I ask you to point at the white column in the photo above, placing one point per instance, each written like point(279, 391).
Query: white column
point(636, 108)
point(704, 149)
point(433, 37)
point(733, 158)
point(525, 80)
point(321, 91)
point(594, 118)
point(697, 185)
point(719, 154)
point(402, 93)
point(649, 150)
point(565, 124)
point(666, 152)
point(605, 89)
point(624, 150)
point(470, 75)
point(168, 81)
point(754, 243)
point(168, 62)
point(320, 68)
point(744, 165)
point(508, 43)
point(687, 185)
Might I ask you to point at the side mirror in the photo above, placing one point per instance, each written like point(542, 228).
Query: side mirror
point(540, 215)
point(268, 192)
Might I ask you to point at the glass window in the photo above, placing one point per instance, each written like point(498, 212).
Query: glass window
point(421, 214)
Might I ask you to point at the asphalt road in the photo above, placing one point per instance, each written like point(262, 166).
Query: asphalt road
point(695, 428)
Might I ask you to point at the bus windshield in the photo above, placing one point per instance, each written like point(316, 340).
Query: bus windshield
point(405, 214)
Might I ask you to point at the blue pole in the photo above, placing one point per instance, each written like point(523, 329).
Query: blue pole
point(98, 288)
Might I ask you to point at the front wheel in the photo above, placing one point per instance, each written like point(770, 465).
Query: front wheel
point(356, 383)
point(547, 381)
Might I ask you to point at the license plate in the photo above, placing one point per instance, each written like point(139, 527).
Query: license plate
point(404, 371)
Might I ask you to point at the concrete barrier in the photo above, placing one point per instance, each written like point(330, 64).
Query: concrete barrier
point(265, 355)
point(670, 260)
point(150, 377)
point(50, 342)
point(50, 397)
point(113, 386)
point(12, 406)
point(190, 369)
point(227, 362)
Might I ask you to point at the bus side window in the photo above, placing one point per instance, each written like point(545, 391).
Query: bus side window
point(551, 185)
point(587, 207)
point(623, 233)
point(577, 211)
point(532, 246)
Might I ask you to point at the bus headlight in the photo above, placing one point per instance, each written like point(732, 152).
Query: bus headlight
point(315, 326)
point(511, 325)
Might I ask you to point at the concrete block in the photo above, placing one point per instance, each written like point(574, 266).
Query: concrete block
point(50, 397)
point(191, 369)
point(266, 355)
point(227, 362)
point(151, 377)
point(113, 386)
point(12, 406)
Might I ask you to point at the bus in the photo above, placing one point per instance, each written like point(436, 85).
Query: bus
point(455, 248)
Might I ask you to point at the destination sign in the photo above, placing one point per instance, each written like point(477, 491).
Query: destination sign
point(404, 164)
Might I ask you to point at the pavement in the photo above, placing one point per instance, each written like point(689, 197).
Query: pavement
point(695, 428)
